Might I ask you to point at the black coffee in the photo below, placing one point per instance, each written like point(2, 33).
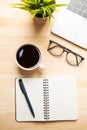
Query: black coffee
point(28, 56)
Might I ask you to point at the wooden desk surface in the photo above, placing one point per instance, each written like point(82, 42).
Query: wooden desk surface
point(16, 29)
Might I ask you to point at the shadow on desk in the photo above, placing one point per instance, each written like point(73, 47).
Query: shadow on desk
point(38, 72)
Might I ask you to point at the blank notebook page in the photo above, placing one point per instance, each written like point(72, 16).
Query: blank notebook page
point(65, 105)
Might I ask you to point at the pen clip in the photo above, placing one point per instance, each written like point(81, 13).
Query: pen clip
point(22, 86)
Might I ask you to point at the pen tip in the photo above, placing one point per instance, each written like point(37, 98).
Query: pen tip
point(34, 116)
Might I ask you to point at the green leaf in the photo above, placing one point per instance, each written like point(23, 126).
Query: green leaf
point(20, 6)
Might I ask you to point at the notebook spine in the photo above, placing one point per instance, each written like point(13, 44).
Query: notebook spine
point(46, 98)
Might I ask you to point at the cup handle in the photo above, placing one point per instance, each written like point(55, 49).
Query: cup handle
point(41, 66)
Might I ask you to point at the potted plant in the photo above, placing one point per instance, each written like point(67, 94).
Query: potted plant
point(38, 8)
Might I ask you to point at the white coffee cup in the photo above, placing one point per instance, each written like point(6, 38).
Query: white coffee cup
point(28, 57)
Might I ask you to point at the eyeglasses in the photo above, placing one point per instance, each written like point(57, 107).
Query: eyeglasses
point(56, 49)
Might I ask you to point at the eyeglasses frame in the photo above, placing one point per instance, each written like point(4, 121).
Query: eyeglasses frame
point(67, 52)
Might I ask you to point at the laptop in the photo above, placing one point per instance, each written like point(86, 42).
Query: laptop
point(71, 23)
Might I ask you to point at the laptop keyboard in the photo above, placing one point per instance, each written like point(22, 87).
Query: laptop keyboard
point(79, 7)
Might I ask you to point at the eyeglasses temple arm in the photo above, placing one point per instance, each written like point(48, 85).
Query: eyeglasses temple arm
point(52, 47)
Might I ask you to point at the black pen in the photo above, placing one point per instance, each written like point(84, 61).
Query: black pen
point(26, 96)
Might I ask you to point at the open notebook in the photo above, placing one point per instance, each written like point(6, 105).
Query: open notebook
point(52, 99)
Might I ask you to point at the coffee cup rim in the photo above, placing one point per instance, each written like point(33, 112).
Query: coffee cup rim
point(36, 65)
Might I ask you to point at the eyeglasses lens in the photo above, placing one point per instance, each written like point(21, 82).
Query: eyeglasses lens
point(55, 49)
point(73, 59)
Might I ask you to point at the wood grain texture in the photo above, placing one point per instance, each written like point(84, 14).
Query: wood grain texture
point(16, 29)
